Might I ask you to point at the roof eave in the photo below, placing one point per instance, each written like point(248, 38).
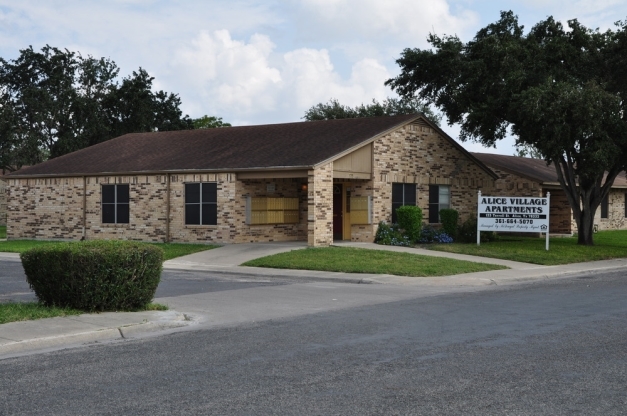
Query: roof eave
point(158, 172)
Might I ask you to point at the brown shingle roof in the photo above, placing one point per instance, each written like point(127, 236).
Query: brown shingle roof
point(534, 169)
point(302, 144)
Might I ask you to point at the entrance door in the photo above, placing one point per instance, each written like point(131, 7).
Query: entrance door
point(338, 223)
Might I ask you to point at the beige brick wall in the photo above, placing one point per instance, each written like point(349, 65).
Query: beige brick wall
point(232, 227)
point(52, 209)
point(418, 154)
point(320, 206)
point(616, 212)
point(45, 208)
point(3, 202)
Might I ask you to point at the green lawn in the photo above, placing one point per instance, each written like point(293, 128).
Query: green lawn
point(16, 311)
point(3, 231)
point(358, 260)
point(170, 250)
point(28, 311)
point(608, 245)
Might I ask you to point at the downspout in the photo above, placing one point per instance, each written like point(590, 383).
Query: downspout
point(84, 208)
point(167, 210)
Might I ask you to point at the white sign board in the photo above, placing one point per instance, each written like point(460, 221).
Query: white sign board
point(513, 214)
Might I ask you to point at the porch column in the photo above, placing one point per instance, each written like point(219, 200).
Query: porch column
point(320, 206)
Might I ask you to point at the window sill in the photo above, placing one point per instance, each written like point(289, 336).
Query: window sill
point(110, 225)
point(200, 226)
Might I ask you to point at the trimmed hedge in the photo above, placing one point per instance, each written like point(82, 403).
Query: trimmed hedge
point(449, 218)
point(410, 220)
point(94, 275)
point(468, 231)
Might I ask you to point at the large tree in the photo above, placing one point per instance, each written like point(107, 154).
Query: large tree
point(56, 101)
point(209, 122)
point(560, 90)
point(388, 107)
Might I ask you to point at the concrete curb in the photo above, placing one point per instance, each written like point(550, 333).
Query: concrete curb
point(30, 341)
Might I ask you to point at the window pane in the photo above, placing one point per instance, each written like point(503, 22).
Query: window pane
point(108, 213)
point(410, 194)
point(444, 195)
point(434, 194)
point(604, 207)
point(209, 192)
point(122, 194)
point(123, 214)
point(192, 193)
point(397, 193)
point(434, 213)
point(108, 194)
point(209, 214)
point(192, 214)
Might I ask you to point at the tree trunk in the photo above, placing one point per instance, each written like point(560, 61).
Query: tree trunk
point(585, 227)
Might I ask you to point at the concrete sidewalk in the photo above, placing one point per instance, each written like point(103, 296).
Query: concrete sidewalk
point(48, 334)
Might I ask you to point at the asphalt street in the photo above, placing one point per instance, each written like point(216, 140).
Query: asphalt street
point(553, 348)
point(13, 285)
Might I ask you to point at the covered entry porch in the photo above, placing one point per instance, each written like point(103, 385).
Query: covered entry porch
point(334, 199)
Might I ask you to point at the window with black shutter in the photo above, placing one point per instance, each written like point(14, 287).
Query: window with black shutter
point(201, 203)
point(605, 204)
point(402, 194)
point(115, 204)
point(439, 198)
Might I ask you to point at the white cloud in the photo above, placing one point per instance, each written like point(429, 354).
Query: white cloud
point(357, 20)
point(252, 82)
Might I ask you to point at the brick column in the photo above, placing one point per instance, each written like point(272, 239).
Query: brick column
point(320, 206)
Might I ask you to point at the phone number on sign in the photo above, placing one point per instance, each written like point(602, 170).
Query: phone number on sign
point(512, 221)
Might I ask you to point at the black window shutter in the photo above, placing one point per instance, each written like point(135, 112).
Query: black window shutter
point(410, 194)
point(434, 203)
point(605, 207)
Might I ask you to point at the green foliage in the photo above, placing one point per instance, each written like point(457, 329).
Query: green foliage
point(170, 250)
point(562, 250)
point(359, 260)
point(410, 220)
point(390, 235)
point(560, 91)
point(449, 219)
point(28, 311)
point(388, 107)
point(94, 275)
point(56, 101)
point(3, 231)
point(467, 232)
point(430, 235)
point(209, 122)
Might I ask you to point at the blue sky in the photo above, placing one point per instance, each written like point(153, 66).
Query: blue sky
point(259, 62)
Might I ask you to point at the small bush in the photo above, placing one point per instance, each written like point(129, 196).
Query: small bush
point(431, 235)
point(410, 220)
point(94, 275)
point(468, 232)
point(390, 235)
point(449, 219)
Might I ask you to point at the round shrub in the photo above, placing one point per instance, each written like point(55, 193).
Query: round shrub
point(449, 218)
point(468, 231)
point(94, 275)
point(410, 220)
